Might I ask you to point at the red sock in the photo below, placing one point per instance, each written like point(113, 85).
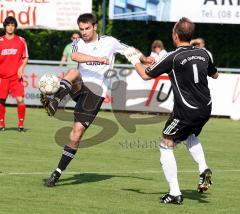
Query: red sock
point(2, 114)
point(21, 114)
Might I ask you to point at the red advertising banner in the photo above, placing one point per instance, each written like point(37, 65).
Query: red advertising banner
point(49, 14)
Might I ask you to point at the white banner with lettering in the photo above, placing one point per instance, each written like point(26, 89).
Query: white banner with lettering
point(45, 14)
point(127, 91)
point(203, 11)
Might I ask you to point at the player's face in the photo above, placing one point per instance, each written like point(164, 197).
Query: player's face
point(88, 31)
point(157, 49)
point(10, 28)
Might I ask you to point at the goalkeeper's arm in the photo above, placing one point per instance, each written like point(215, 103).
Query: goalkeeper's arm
point(142, 71)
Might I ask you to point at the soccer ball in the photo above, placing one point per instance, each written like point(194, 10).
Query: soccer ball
point(48, 84)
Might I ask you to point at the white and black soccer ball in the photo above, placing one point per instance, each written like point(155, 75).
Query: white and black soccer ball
point(48, 84)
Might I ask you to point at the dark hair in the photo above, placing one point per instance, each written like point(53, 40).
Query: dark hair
point(184, 28)
point(87, 17)
point(75, 32)
point(10, 20)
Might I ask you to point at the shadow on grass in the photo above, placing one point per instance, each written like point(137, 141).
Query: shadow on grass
point(14, 129)
point(187, 194)
point(90, 177)
point(196, 196)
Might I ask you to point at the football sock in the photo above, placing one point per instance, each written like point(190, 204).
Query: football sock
point(67, 156)
point(21, 108)
point(65, 88)
point(2, 114)
point(195, 148)
point(59, 171)
point(169, 167)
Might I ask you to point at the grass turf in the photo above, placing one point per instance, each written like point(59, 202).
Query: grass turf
point(121, 175)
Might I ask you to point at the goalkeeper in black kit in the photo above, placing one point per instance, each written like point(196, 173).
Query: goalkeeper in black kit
point(188, 68)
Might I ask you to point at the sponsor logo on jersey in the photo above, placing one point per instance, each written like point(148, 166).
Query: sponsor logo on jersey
point(10, 51)
point(94, 63)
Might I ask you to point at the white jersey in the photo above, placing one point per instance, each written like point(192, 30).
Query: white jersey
point(94, 73)
point(158, 56)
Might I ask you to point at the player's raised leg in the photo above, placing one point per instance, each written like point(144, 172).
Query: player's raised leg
point(195, 148)
point(65, 88)
point(86, 109)
point(68, 153)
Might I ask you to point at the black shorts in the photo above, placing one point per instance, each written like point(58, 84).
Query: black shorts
point(179, 130)
point(87, 107)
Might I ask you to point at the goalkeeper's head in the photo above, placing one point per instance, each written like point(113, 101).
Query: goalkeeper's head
point(183, 31)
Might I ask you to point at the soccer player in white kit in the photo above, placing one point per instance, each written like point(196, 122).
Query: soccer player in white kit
point(87, 85)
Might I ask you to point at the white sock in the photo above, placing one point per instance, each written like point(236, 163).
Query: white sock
point(169, 167)
point(195, 148)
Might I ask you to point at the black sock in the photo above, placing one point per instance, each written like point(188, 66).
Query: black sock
point(65, 88)
point(67, 156)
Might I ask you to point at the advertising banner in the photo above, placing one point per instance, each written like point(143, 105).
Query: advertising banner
point(128, 92)
point(45, 14)
point(203, 11)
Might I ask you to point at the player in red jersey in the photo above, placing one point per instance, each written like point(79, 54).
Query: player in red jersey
point(13, 59)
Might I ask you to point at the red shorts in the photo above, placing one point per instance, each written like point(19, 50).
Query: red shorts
point(13, 86)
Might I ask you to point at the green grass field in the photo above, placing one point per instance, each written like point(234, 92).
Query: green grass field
point(121, 175)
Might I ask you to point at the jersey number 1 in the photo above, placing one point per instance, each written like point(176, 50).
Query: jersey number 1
point(195, 73)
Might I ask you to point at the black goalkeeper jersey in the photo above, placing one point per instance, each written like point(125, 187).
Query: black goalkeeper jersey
point(188, 68)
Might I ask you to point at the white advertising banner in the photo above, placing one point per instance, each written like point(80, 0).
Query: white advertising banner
point(48, 14)
point(207, 11)
point(203, 11)
point(127, 91)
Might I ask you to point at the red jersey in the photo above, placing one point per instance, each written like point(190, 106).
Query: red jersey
point(12, 51)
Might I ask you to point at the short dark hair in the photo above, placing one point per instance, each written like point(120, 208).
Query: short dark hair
point(87, 17)
point(10, 20)
point(185, 29)
point(75, 32)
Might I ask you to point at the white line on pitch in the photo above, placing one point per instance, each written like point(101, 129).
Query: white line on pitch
point(114, 172)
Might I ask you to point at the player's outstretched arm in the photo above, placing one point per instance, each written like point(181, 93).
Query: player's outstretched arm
point(141, 71)
point(81, 58)
point(136, 57)
point(147, 60)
